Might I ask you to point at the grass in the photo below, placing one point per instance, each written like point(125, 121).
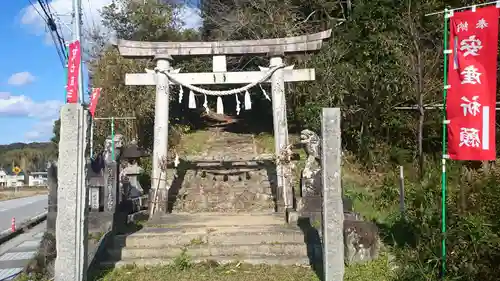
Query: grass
point(10, 193)
point(195, 142)
point(359, 185)
point(95, 236)
point(212, 272)
point(183, 270)
point(264, 143)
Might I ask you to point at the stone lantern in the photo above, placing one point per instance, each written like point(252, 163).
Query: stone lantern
point(129, 175)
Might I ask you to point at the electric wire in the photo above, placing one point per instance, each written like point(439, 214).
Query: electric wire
point(52, 29)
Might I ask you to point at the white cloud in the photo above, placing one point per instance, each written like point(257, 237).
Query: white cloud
point(23, 106)
point(45, 112)
point(21, 78)
point(91, 16)
point(4, 95)
point(41, 131)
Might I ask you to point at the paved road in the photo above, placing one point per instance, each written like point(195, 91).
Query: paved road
point(22, 209)
point(16, 253)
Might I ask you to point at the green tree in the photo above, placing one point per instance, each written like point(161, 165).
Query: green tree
point(134, 21)
point(56, 131)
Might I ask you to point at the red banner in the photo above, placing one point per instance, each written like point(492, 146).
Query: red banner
point(472, 77)
point(73, 69)
point(96, 92)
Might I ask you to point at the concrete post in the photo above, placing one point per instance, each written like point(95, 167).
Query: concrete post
point(71, 222)
point(333, 214)
point(160, 146)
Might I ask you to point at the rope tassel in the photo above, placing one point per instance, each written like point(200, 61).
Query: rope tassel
point(238, 105)
point(220, 106)
point(181, 92)
point(264, 93)
point(248, 101)
point(205, 104)
point(192, 100)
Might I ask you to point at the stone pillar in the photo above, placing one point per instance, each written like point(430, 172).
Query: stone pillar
point(333, 215)
point(160, 147)
point(110, 187)
point(71, 222)
point(284, 189)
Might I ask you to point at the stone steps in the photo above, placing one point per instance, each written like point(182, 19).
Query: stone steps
point(251, 238)
point(218, 236)
point(183, 220)
point(242, 250)
point(277, 260)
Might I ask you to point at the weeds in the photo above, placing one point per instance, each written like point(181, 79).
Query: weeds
point(473, 240)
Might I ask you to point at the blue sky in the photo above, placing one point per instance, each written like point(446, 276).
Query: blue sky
point(32, 78)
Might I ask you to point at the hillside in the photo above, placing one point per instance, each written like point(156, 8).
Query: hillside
point(29, 156)
point(21, 145)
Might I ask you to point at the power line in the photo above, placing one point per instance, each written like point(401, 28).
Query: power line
point(37, 11)
point(52, 28)
point(48, 22)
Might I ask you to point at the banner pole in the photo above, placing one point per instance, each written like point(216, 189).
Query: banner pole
point(497, 2)
point(444, 147)
point(113, 138)
point(91, 137)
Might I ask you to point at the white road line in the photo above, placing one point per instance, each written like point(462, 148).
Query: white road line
point(31, 244)
point(7, 272)
point(17, 256)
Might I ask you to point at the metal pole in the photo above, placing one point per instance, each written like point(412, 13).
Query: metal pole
point(401, 190)
point(113, 138)
point(114, 118)
point(444, 148)
point(463, 8)
point(77, 35)
point(80, 252)
point(91, 137)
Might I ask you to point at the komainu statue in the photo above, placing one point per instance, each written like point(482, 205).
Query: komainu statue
point(311, 174)
point(361, 239)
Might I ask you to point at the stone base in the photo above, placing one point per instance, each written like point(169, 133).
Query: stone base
point(361, 241)
point(292, 216)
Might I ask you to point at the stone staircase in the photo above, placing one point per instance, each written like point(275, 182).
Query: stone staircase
point(254, 238)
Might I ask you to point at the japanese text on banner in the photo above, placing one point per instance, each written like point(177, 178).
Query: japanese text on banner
point(73, 71)
point(471, 98)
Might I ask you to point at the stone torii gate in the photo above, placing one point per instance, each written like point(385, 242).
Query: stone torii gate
point(276, 74)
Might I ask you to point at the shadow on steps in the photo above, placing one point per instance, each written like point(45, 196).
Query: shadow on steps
point(314, 246)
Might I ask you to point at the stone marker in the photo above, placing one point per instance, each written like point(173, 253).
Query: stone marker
point(71, 222)
point(333, 216)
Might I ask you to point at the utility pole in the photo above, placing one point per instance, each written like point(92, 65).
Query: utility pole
point(81, 206)
point(77, 36)
point(72, 201)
